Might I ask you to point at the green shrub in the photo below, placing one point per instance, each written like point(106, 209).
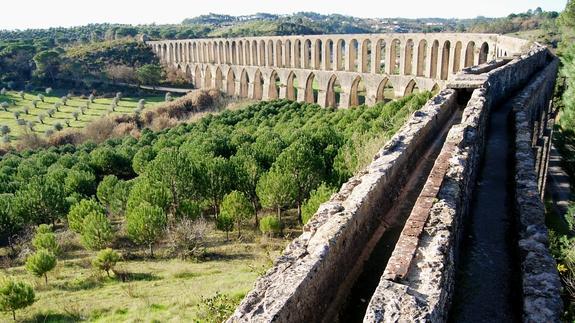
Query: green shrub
point(106, 260)
point(318, 196)
point(46, 241)
point(79, 211)
point(15, 295)
point(270, 225)
point(97, 231)
point(146, 225)
point(225, 222)
point(40, 263)
point(217, 308)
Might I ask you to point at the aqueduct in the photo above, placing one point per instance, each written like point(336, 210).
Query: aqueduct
point(332, 70)
point(465, 174)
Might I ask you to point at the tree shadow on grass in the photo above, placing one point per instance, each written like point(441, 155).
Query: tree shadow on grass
point(53, 318)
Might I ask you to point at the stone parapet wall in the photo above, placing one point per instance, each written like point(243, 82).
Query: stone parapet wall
point(424, 295)
point(304, 281)
point(540, 281)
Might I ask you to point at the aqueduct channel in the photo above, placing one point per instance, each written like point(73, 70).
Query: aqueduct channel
point(332, 70)
point(388, 247)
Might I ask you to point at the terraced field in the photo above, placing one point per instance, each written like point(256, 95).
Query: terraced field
point(64, 115)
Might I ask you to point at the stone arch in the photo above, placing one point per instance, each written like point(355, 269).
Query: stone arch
point(385, 91)
point(262, 53)
point(247, 53)
point(171, 53)
point(310, 92)
point(395, 55)
point(274, 90)
point(228, 53)
point(287, 53)
point(457, 57)
point(483, 52)
point(292, 87)
point(340, 55)
point(240, 53)
point(353, 55)
point(271, 53)
point(195, 52)
point(380, 56)
point(317, 59)
point(408, 60)
point(258, 85)
point(307, 54)
point(222, 57)
point(208, 78)
point(434, 58)
point(163, 50)
point(204, 53)
point(329, 55)
point(470, 54)
point(234, 53)
point(411, 88)
point(210, 52)
point(244, 84)
point(197, 78)
point(255, 53)
point(421, 57)
point(219, 79)
point(445, 60)
point(332, 98)
point(188, 72)
point(366, 56)
point(357, 93)
point(297, 53)
point(231, 83)
point(279, 53)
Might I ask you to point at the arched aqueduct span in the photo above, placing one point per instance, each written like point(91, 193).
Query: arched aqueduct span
point(332, 70)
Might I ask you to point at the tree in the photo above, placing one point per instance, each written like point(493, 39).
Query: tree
point(316, 198)
point(15, 295)
point(149, 74)
point(303, 164)
point(146, 190)
point(276, 190)
point(41, 200)
point(225, 222)
point(179, 174)
point(249, 172)
point(105, 191)
point(146, 224)
point(80, 181)
point(106, 260)
point(220, 176)
point(10, 222)
point(48, 64)
point(97, 231)
point(45, 239)
point(40, 263)
point(236, 206)
point(78, 212)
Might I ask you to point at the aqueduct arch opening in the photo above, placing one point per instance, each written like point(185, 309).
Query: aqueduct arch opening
point(292, 87)
point(274, 90)
point(333, 92)
point(357, 93)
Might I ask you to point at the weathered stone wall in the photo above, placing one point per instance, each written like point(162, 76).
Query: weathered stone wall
point(540, 280)
point(425, 293)
point(305, 280)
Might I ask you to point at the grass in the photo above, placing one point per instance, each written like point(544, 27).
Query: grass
point(162, 290)
point(97, 109)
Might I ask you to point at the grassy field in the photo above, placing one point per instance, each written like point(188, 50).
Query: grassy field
point(160, 290)
point(100, 107)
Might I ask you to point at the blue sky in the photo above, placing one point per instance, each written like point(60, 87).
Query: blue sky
point(21, 14)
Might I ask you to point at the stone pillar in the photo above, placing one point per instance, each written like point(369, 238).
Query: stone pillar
point(347, 55)
point(390, 58)
point(402, 49)
point(374, 61)
point(314, 61)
